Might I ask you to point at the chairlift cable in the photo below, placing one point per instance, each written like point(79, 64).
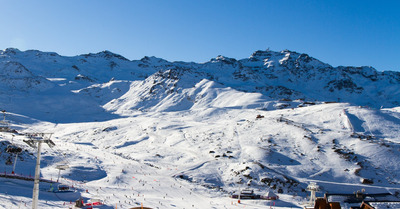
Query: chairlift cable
point(59, 152)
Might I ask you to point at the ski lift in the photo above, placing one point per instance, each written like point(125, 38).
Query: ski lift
point(30, 143)
point(4, 126)
point(13, 149)
point(313, 188)
point(60, 168)
point(61, 188)
point(49, 143)
point(38, 138)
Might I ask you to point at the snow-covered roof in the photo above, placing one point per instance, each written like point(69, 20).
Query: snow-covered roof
point(385, 205)
point(270, 194)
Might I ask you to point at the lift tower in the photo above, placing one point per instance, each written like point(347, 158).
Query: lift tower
point(38, 139)
point(313, 188)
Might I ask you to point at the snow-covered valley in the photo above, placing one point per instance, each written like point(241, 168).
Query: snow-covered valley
point(187, 135)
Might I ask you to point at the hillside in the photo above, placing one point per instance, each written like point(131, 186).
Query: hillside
point(98, 80)
point(179, 135)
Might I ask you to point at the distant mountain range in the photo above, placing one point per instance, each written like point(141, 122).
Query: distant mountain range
point(272, 122)
point(148, 84)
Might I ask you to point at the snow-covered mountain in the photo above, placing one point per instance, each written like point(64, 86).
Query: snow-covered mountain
point(187, 134)
point(167, 86)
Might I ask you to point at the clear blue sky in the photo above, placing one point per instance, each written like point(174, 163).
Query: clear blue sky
point(338, 32)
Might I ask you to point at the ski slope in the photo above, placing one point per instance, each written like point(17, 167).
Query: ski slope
point(188, 135)
point(196, 158)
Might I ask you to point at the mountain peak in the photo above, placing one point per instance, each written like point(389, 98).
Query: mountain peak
point(261, 54)
point(13, 69)
point(224, 59)
point(10, 51)
point(106, 54)
point(153, 60)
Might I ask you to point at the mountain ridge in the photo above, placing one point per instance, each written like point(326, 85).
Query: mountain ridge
point(182, 132)
point(284, 75)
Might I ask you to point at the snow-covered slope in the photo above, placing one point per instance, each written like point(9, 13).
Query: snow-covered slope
point(186, 135)
point(275, 75)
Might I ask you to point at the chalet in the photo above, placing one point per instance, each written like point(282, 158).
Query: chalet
point(358, 200)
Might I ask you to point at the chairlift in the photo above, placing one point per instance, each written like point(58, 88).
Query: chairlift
point(61, 167)
point(30, 143)
point(61, 188)
point(4, 126)
point(49, 142)
point(13, 149)
point(37, 138)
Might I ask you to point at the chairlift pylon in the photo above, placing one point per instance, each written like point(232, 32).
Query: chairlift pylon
point(38, 138)
point(4, 125)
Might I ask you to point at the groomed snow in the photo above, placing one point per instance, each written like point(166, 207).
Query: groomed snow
point(190, 159)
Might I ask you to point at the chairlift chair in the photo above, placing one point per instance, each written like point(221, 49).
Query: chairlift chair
point(13, 149)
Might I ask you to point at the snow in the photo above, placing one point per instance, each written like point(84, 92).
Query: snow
point(169, 136)
point(386, 205)
point(144, 154)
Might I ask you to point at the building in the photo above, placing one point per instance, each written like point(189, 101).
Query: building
point(357, 200)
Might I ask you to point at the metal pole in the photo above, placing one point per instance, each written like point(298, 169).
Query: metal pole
point(59, 171)
point(312, 198)
point(15, 162)
point(239, 194)
point(35, 196)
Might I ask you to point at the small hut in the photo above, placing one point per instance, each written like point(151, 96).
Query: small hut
point(269, 196)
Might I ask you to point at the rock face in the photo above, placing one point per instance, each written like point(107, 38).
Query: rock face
point(151, 81)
